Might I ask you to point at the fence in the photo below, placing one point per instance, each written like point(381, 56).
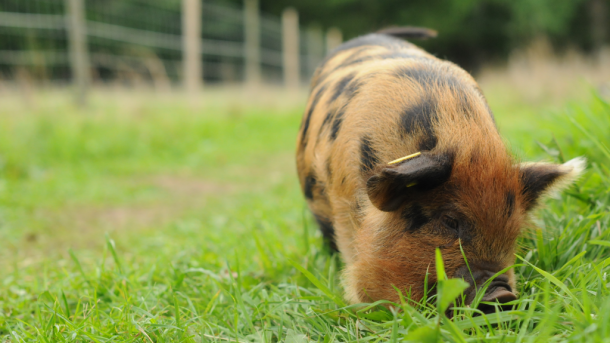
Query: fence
point(159, 42)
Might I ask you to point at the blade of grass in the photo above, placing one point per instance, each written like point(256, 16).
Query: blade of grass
point(115, 256)
point(65, 300)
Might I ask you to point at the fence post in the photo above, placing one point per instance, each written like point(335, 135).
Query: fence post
point(79, 59)
point(252, 44)
point(290, 48)
point(315, 48)
point(191, 45)
point(334, 38)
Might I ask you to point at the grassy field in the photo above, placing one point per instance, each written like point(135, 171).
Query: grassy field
point(150, 218)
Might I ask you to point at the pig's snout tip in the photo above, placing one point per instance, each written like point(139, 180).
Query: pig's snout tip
point(497, 293)
point(501, 295)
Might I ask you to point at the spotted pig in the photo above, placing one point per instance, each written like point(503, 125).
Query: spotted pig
point(378, 98)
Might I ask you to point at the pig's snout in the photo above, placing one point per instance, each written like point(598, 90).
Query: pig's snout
point(499, 290)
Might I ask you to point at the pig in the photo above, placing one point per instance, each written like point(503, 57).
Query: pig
point(398, 154)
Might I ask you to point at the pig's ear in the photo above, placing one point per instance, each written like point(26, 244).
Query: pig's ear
point(538, 179)
point(393, 185)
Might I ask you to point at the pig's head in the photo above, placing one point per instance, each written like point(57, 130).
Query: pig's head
point(454, 200)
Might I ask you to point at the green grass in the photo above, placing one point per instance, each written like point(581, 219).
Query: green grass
point(162, 222)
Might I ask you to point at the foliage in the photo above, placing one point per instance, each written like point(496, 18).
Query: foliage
point(470, 31)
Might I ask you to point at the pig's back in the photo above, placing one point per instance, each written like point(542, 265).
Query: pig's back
point(375, 99)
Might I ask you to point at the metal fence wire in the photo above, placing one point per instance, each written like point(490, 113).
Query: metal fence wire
point(136, 42)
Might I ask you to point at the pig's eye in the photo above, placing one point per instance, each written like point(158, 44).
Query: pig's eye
point(451, 223)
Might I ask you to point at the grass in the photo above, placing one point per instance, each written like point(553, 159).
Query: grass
point(149, 219)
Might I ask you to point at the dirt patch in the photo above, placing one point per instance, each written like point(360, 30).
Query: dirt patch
point(178, 195)
point(84, 225)
point(82, 219)
point(189, 186)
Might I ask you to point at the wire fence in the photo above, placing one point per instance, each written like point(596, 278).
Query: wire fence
point(140, 42)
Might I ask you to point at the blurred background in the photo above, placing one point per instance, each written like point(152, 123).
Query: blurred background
point(189, 44)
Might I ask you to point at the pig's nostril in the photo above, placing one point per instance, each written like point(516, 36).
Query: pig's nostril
point(497, 292)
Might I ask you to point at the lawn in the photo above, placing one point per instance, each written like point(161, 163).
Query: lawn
point(150, 218)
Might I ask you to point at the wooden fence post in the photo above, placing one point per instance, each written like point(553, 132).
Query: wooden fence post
point(252, 44)
point(315, 48)
point(290, 48)
point(334, 38)
point(79, 56)
point(191, 45)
